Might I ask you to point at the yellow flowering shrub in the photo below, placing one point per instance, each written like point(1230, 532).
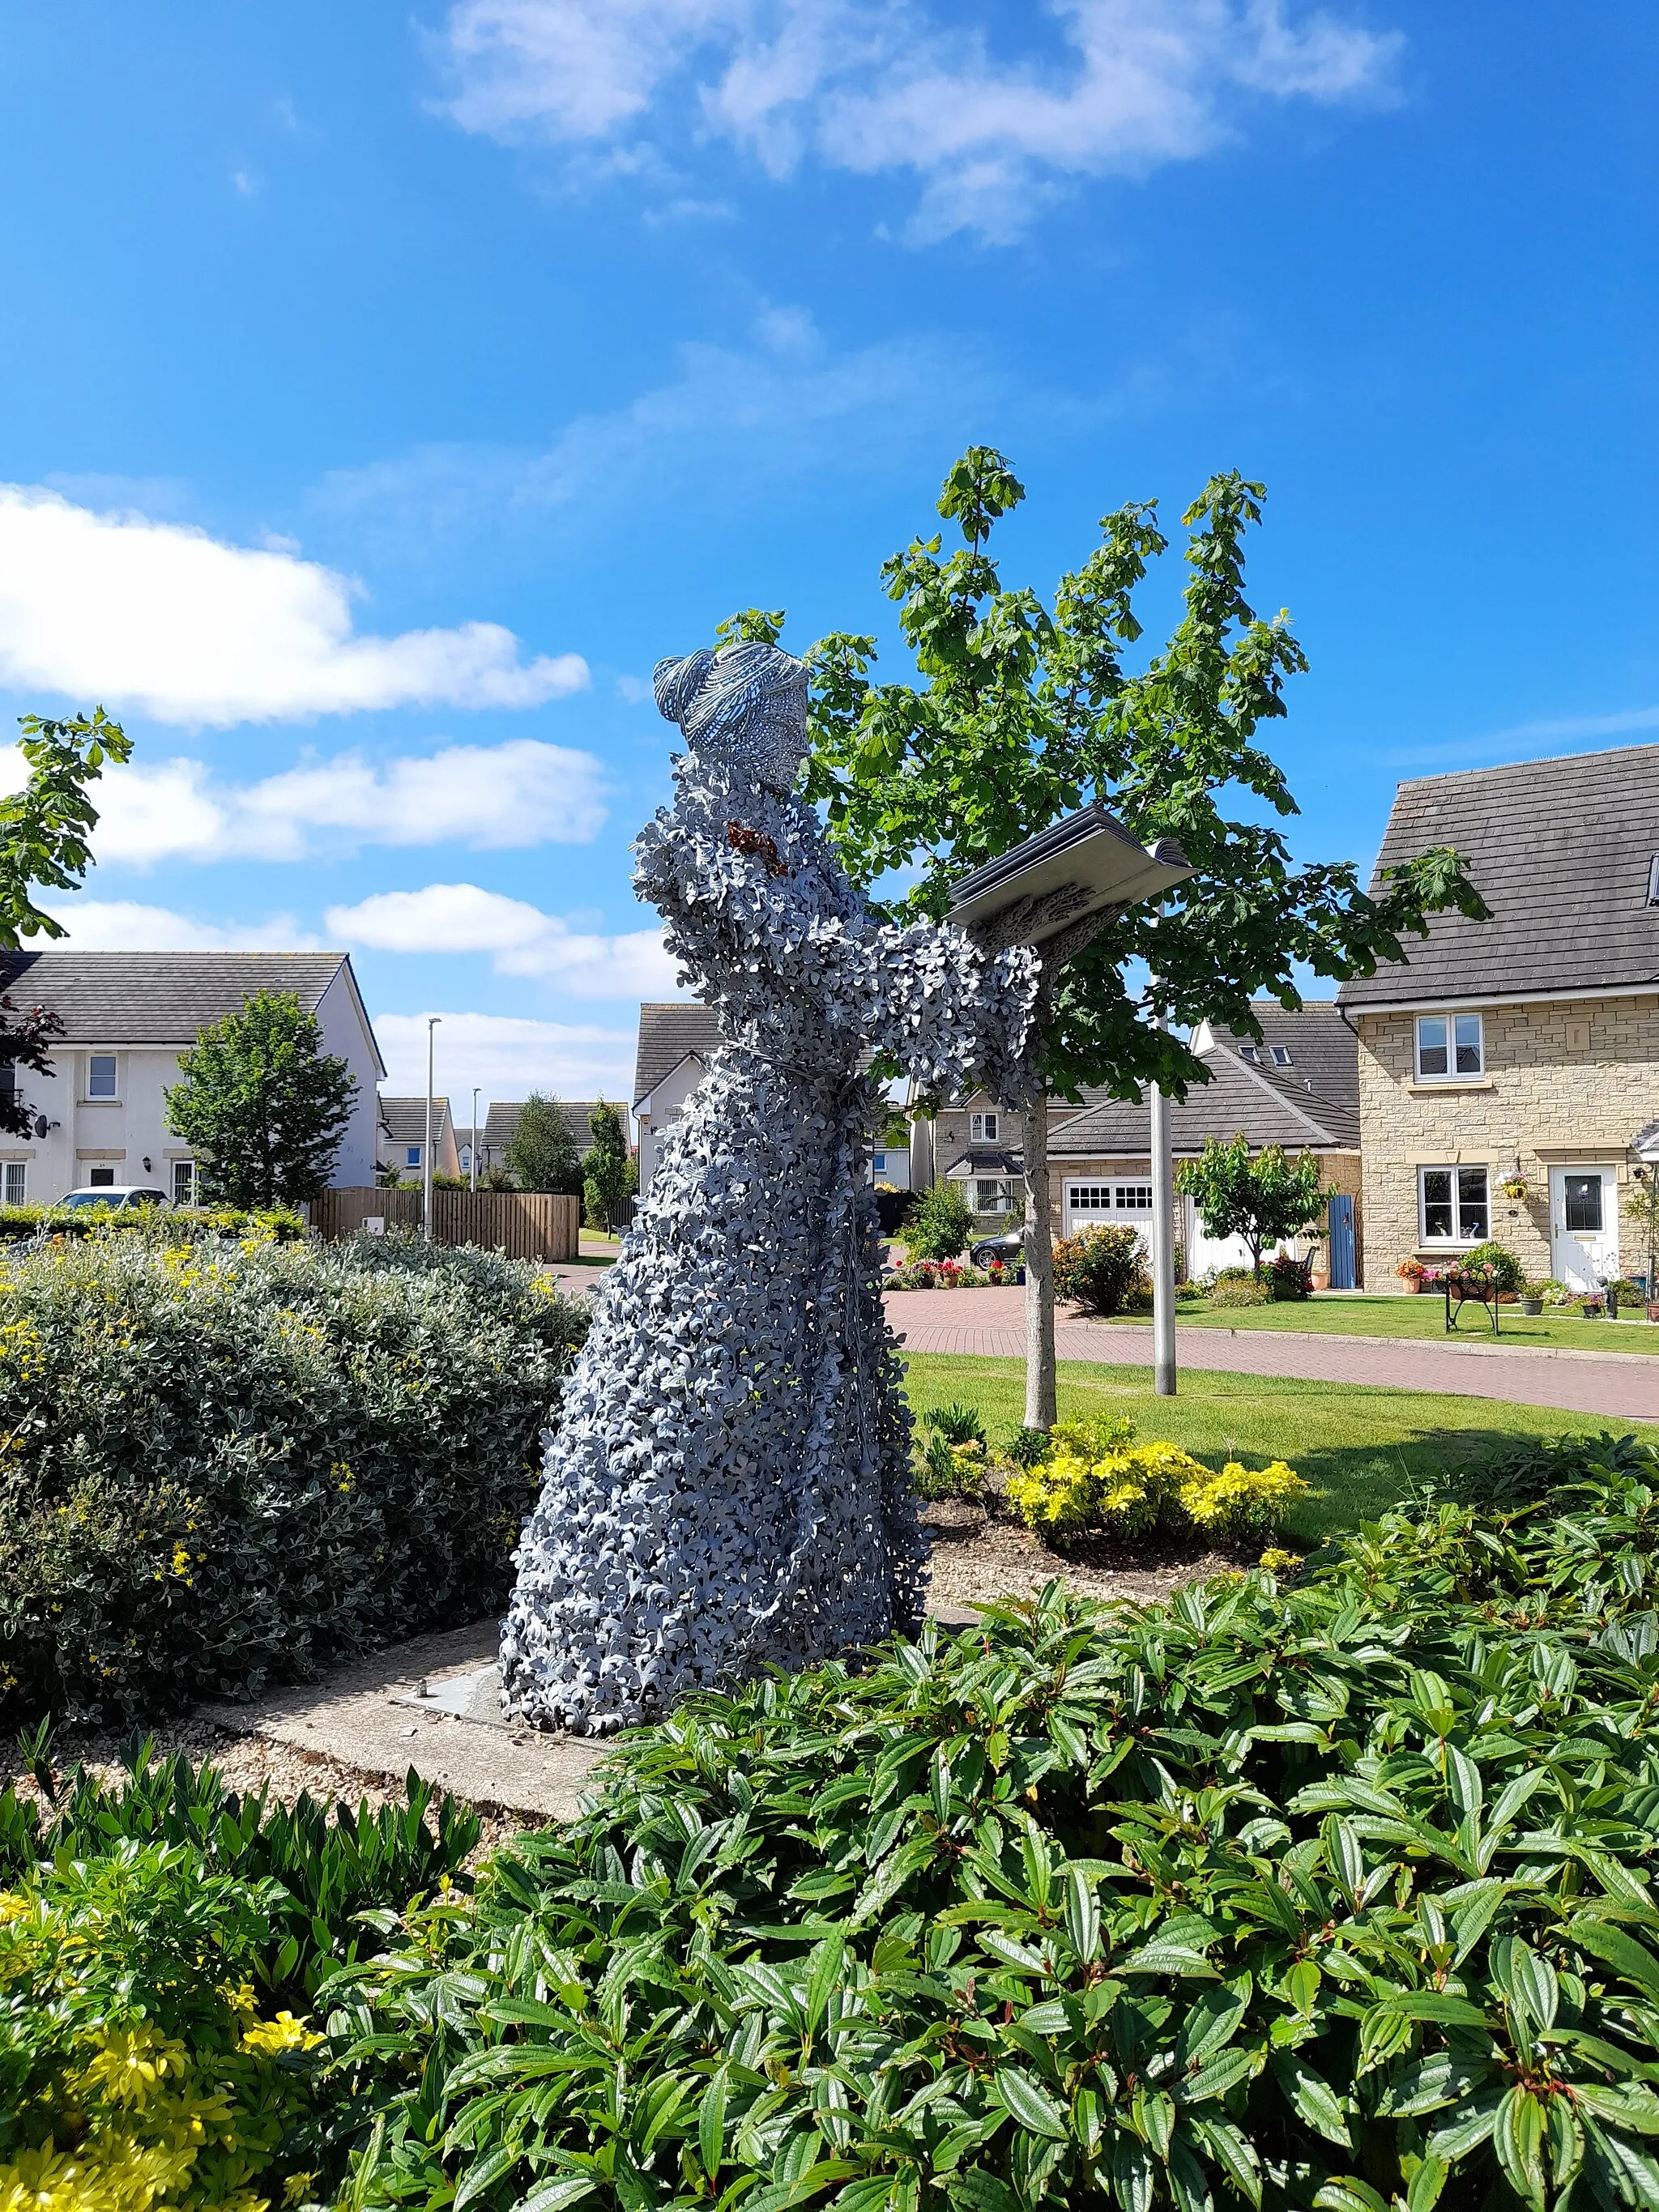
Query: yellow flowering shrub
point(1095, 1481)
point(137, 2071)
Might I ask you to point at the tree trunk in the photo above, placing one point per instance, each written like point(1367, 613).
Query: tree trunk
point(1041, 1408)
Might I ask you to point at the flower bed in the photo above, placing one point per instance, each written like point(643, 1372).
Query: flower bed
point(223, 1465)
point(951, 1275)
point(1335, 1894)
point(159, 1948)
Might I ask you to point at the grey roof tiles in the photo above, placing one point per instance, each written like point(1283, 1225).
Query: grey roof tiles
point(157, 998)
point(668, 1029)
point(1561, 850)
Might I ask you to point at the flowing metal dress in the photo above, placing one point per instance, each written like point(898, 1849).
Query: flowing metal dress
point(729, 1484)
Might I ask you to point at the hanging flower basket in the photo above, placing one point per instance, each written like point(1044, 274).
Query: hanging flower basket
point(1513, 1186)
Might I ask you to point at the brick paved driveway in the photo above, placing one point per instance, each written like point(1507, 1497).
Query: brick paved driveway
point(1623, 1386)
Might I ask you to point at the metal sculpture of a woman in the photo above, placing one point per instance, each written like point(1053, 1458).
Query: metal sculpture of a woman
point(729, 1484)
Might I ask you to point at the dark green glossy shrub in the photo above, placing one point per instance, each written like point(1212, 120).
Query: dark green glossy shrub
point(1336, 1895)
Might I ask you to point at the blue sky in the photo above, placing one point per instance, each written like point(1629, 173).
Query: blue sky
point(385, 389)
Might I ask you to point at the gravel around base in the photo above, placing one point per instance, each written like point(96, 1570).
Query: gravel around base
point(248, 1764)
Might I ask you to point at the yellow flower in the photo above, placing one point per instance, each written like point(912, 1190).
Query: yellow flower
point(266, 2037)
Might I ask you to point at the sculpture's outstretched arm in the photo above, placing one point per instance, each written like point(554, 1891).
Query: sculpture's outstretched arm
point(740, 902)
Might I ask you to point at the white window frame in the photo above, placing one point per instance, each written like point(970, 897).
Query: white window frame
point(1451, 1044)
point(184, 1174)
point(1003, 1188)
point(1131, 1198)
point(983, 1129)
point(95, 1060)
point(1459, 1240)
point(15, 1182)
point(100, 1178)
point(1281, 1054)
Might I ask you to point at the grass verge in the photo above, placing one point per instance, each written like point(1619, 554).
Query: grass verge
point(1361, 1448)
point(1343, 1314)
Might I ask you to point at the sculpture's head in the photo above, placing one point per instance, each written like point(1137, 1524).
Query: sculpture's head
point(745, 704)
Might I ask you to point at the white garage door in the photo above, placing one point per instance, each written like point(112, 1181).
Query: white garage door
point(1086, 1203)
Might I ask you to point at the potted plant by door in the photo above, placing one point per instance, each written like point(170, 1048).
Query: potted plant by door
point(1532, 1299)
point(1412, 1273)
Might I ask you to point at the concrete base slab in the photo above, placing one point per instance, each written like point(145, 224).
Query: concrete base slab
point(366, 1716)
point(433, 1704)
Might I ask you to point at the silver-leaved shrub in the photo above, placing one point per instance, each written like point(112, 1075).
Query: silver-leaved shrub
point(226, 1463)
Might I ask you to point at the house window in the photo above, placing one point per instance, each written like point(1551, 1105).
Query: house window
point(100, 1075)
point(1454, 1204)
point(1581, 1197)
point(100, 1178)
point(412, 1156)
point(16, 1179)
point(1248, 1052)
point(983, 1129)
point(1653, 881)
point(1281, 1055)
point(8, 1078)
point(993, 1196)
point(1449, 1046)
point(1132, 1197)
point(878, 1163)
point(184, 1182)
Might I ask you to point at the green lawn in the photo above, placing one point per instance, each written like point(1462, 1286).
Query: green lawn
point(1359, 1446)
point(1345, 1314)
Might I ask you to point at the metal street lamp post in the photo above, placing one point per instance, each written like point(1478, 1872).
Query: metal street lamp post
point(432, 1022)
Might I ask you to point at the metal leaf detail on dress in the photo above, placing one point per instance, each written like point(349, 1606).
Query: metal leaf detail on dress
point(728, 1487)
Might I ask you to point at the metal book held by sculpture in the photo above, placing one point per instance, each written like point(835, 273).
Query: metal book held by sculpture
point(728, 1487)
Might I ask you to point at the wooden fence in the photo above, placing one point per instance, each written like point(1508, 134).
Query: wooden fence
point(525, 1224)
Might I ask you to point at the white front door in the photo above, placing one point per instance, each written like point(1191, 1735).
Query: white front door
point(1584, 1226)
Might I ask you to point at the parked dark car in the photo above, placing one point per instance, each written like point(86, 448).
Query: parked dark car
point(1010, 1248)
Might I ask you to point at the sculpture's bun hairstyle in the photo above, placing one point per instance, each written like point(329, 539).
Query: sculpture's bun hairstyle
point(677, 682)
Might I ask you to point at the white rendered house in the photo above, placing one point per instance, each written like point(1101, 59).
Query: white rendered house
point(101, 1117)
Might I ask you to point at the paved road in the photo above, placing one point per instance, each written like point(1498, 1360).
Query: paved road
point(1622, 1386)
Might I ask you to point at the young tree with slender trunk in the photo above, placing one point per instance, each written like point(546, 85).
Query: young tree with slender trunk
point(1026, 711)
point(263, 1107)
point(1260, 1199)
point(541, 1153)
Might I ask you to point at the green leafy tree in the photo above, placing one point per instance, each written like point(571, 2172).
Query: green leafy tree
point(1260, 1199)
point(606, 1170)
point(939, 1224)
point(541, 1153)
point(1026, 710)
point(43, 829)
point(263, 1104)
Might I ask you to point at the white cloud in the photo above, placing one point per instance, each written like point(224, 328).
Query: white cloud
point(520, 939)
point(187, 629)
point(872, 85)
point(506, 1057)
point(787, 404)
point(1525, 739)
point(491, 797)
point(125, 926)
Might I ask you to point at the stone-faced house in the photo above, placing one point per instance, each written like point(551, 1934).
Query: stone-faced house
point(1523, 1050)
point(1298, 1088)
